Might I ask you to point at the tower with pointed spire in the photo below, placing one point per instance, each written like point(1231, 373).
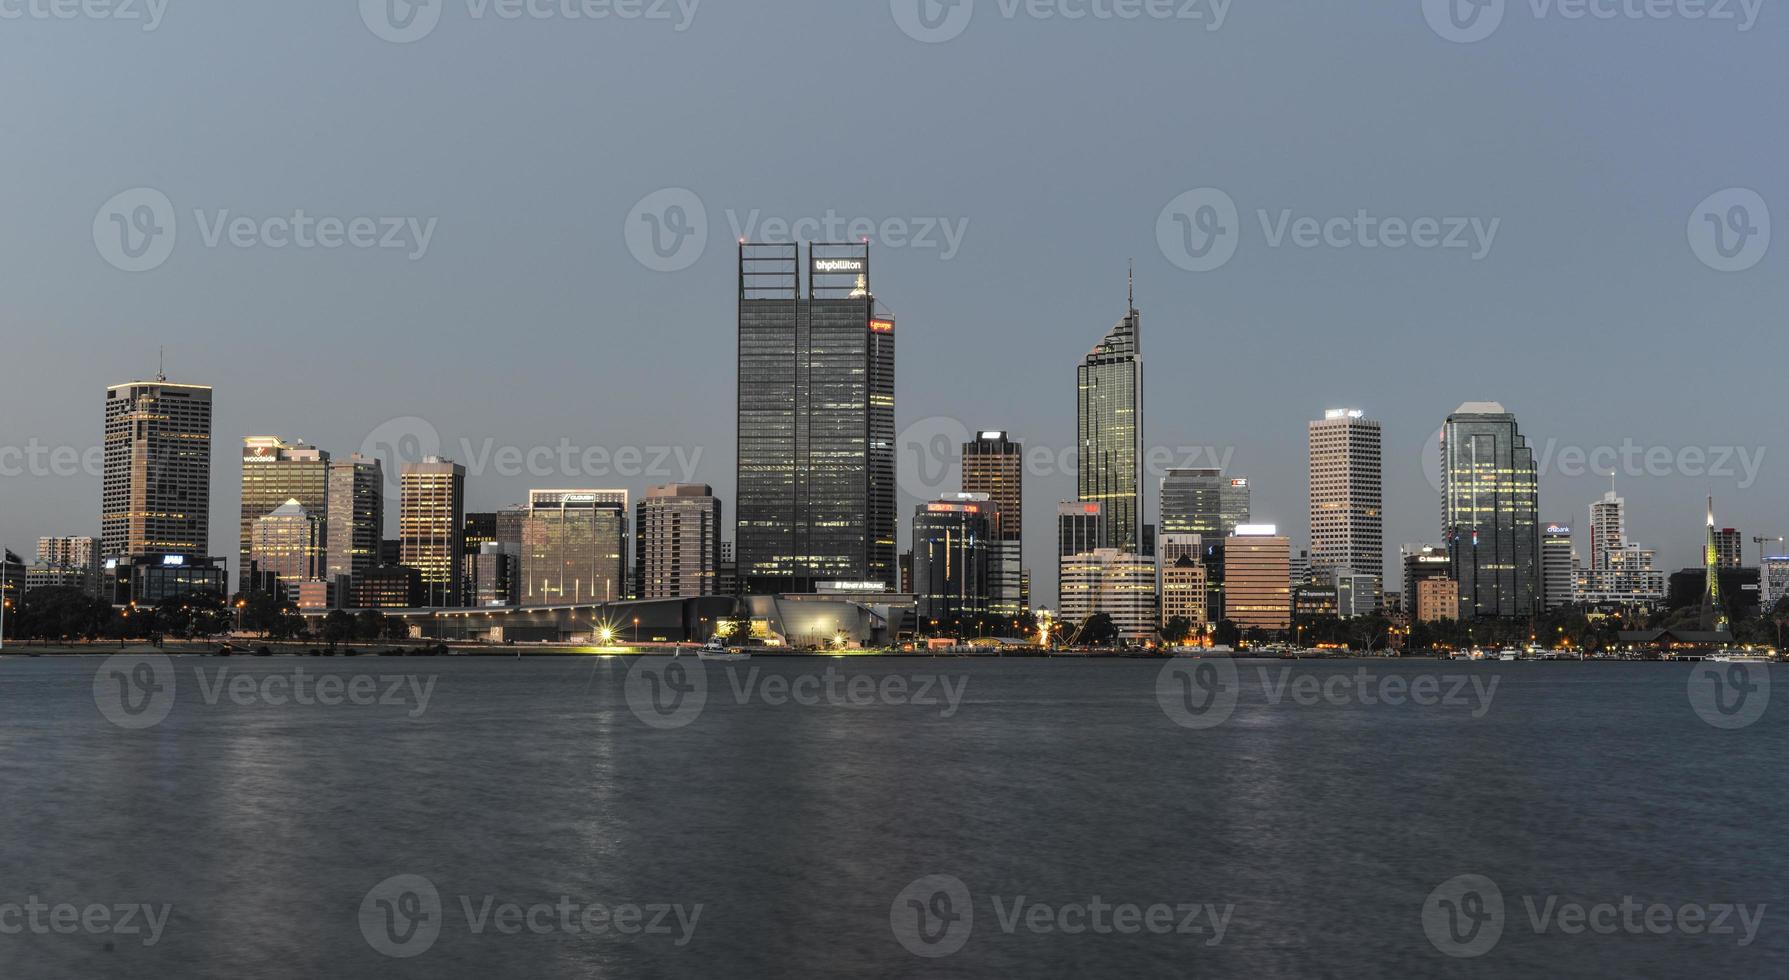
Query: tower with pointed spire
point(1714, 612)
point(1109, 423)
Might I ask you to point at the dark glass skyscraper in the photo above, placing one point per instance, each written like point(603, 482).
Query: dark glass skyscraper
point(1109, 420)
point(1490, 512)
point(816, 421)
point(1203, 502)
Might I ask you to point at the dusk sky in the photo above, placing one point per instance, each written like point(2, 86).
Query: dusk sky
point(1008, 172)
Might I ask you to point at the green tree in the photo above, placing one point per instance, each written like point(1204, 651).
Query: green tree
point(1177, 630)
point(337, 626)
point(1099, 630)
point(369, 625)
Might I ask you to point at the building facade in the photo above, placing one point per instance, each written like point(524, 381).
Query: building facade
point(355, 516)
point(953, 552)
point(677, 536)
point(287, 544)
point(1183, 592)
point(816, 453)
point(574, 547)
point(1112, 582)
point(274, 472)
point(1347, 493)
point(431, 513)
point(1490, 512)
point(156, 490)
point(1258, 578)
point(71, 561)
point(1109, 429)
point(994, 464)
point(1559, 567)
point(1437, 600)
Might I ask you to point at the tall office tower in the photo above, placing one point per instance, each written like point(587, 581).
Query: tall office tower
point(1729, 549)
point(1608, 529)
point(1258, 578)
point(1714, 607)
point(495, 574)
point(479, 529)
point(156, 496)
point(1490, 517)
point(995, 465)
point(1080, 527)
point(816, 460)
point(1203, 502)
point(431, 514)
point(72, 561)
point(1559, 575)
point(273, 472)
point(1109, 427)
point(678, 538)
point(1174, 547)
point(509, 525)
point(952, 550)
point(1347, 492)
point(287, 544)
point(1109, 581)
point(574, 547)
point(1424, 561)
point(355, 516)
point(1183, 592)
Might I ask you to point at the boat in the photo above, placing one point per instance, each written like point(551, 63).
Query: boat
point(1509, 656)
point(1195, 653)
point(1739, 657)
point(717, 649)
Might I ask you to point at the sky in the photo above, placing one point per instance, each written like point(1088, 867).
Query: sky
point(530, 215)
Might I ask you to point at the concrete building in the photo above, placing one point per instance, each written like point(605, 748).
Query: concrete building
point(1729, 547)
point(1559, 566)
point(573, 547)
point(1113, 582)
point(431, 514)
point(496, 575)
point(677, 537)
point(1358, 594)
point(1437, 599)
point(1080, 527)
point(1183, 592)
point(1258, 578)
point(73, 562)
point(1347, 493)
point(274, 472)
point(1773, 581)
point(994, 464)
point(156, 490)
point(354, 518)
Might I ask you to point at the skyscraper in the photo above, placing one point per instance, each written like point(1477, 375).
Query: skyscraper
point(1258, 578)
point(1608, 529)
point(287, 544)
point(1490, 518)
point(995, 465)
point(952, 581)
point(1559, 576)
point(1729, 548)
point(156, 493)
point(677, 535)
point(1109, 425)
point(574, 545)
point(1203, 502)
point(273, 472)
point(355, 516)
point(431, 510)
point(1347, 494)
point(71, 561)
point(816, 460)
point(1080, 527)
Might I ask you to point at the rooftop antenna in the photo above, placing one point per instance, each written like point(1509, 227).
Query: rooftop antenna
point(161, 367)
point(1132, 301)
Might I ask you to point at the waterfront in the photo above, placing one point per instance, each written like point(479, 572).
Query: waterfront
point(1314, 829)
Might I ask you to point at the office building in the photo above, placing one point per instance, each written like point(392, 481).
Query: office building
point(816, 453)
point(1183, 591)
point(1729, 548)
point(1112, 582)
point(496, 575)
point(1437, 599)
point(274, 472)
point(73, 562)
point(1773, 581)
point(1490, 500)
point(677, 536)
point(1559, 565)
point(1258, 578)
point(287, 544)
point(354, 518)
point(1347, 493)
point(387, 587)
point(431, 515)
point(1080, 527)
point(995, 465)
point(574, 544)
point(156, 491)
point(953, 548)
point(1358, 594)
point(1109, 428)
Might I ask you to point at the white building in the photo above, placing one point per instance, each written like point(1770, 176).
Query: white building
point(1113, 582)
point(1347, 493)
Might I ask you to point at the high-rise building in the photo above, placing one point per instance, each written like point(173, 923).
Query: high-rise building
point(1258, 578)
point(1729, 548)
point(1183, 591)
point(71, 561)
point(1608, 529)
point(1620, 572)
point(677, 536)
point(1112, 582)
point(1358, 594)
point(1109, 426)
point(1347, 491)
point(496, 574)
point(286, 544)
point(1203, 502)
point(1424, 561)
point(1559, 577)
point(273, 472)
point(1490, 512)
point(431, 515)
point(1437, 599)
point(995, 465)
point(953, 540)
point(156, 495)
point(574, 545)
point(1080, 527)
point(1773, 581)
point(355, 516)
point(816, 460)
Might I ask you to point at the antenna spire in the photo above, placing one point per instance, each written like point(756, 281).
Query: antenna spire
point(161, 363)
point(1132, 301)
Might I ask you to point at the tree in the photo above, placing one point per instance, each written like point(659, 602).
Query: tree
point(1227, 634)
point(369, 625)
point(1177, 630)
point(337, 626)
point(396, 628)
point(1099, 630)
point(60, 613)
point(192, 615)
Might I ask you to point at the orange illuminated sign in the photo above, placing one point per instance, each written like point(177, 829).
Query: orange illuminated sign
point(882, 326)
